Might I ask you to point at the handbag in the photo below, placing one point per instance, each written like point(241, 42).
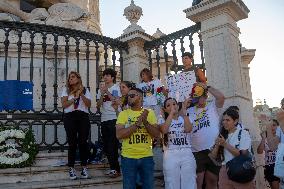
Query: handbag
point(241, 168)
point(279, 162)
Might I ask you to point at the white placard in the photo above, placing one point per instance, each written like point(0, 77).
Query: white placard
point(180, 85)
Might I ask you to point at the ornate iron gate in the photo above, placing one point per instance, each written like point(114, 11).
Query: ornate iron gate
point(163, 53)
point(44, 55)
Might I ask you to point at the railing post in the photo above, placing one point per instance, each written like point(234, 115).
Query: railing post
point(136, 59)
point(220, 35)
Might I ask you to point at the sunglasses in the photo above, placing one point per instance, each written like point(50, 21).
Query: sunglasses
point(132, 95)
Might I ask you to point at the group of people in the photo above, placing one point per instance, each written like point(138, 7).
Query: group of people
point(197, 142)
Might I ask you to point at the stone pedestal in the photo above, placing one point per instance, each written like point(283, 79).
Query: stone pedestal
point(225, 69)
point(136, 59)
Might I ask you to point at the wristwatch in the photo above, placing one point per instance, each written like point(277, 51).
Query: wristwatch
point(208, 87)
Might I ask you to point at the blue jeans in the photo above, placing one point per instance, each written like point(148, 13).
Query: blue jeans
point(143, 166)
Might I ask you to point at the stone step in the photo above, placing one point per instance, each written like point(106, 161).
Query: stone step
point(98, 183)
point(98, 180)
point(44, 174)
point(47, 159)
point(47, 173)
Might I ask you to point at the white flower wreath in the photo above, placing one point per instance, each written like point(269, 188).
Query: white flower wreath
point(10, 156)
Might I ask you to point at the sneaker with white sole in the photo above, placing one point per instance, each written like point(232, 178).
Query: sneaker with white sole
point(107, 172)
point(72, 173)
point(84, 173)
point(114, 174)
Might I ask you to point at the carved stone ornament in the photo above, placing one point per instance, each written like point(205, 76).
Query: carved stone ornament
point(133, 14)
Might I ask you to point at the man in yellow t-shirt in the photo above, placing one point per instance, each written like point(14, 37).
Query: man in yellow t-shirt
point(136, 126)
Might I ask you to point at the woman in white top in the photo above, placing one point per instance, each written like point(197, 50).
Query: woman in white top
point(231, 145)
point(76, 99)
point(270, 157)
point(179, 164)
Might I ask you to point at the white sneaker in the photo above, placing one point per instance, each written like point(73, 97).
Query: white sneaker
point(107, 172)
point(84, 173)
point(72, 173)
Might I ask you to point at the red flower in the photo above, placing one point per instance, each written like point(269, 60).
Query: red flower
point(159, 90)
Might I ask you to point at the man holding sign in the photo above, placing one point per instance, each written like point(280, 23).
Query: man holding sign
point(180, 85)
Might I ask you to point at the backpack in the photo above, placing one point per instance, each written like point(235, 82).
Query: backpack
point(241, 168)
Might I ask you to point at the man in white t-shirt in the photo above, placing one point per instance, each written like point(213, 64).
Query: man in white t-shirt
point(205, 119)
point(106, 96)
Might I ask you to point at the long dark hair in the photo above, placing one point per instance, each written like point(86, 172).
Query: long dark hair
point(130, 85)
point(165, 137)
point(234, 115)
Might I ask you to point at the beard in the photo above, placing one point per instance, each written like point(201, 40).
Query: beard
point(131, 104)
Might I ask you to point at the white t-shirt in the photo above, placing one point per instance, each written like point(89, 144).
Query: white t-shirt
point(177, 138)
point(243, 144)
point(240, 126)
point(205, 123)
point(150, 92)
point(280, 134)
point(108, 112)
point(270, 156)
point(81, 105)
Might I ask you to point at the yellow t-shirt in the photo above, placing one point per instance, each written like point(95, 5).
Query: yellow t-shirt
point(139, 144)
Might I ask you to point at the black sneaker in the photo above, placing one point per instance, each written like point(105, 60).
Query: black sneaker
point(84, 173)
point(72, 173)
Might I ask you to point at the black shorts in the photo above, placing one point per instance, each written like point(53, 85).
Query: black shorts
point(269, 173)
point(204, 163)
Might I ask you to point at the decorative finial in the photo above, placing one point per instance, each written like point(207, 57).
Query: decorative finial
point(158, 33)
point(133, 14)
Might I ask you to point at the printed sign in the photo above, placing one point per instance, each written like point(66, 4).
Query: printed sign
point(16, 95)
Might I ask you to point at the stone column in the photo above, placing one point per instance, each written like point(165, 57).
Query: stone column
point(224, 68)
point(136, 59)
point(220, 35)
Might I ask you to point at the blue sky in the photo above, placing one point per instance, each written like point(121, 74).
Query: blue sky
point(263, 30)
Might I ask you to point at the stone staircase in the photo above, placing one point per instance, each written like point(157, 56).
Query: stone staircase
point(47, 174)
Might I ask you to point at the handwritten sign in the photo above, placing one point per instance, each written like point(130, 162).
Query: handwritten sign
point(180, 85)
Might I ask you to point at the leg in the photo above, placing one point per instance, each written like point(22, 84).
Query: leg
point(147, 172)
point(71, 133)
point(129, 171)
point(224, 182)
point(200, 158)
point(211, 180)
point(275, 185)
point(188, 170)
point(104, 131)
point(110, 144)
point(84, 130)
point(113, 147)
point(199, 179)
point(171, 170)
point(211, 174)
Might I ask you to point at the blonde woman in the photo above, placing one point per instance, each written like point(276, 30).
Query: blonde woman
point(76, 99)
